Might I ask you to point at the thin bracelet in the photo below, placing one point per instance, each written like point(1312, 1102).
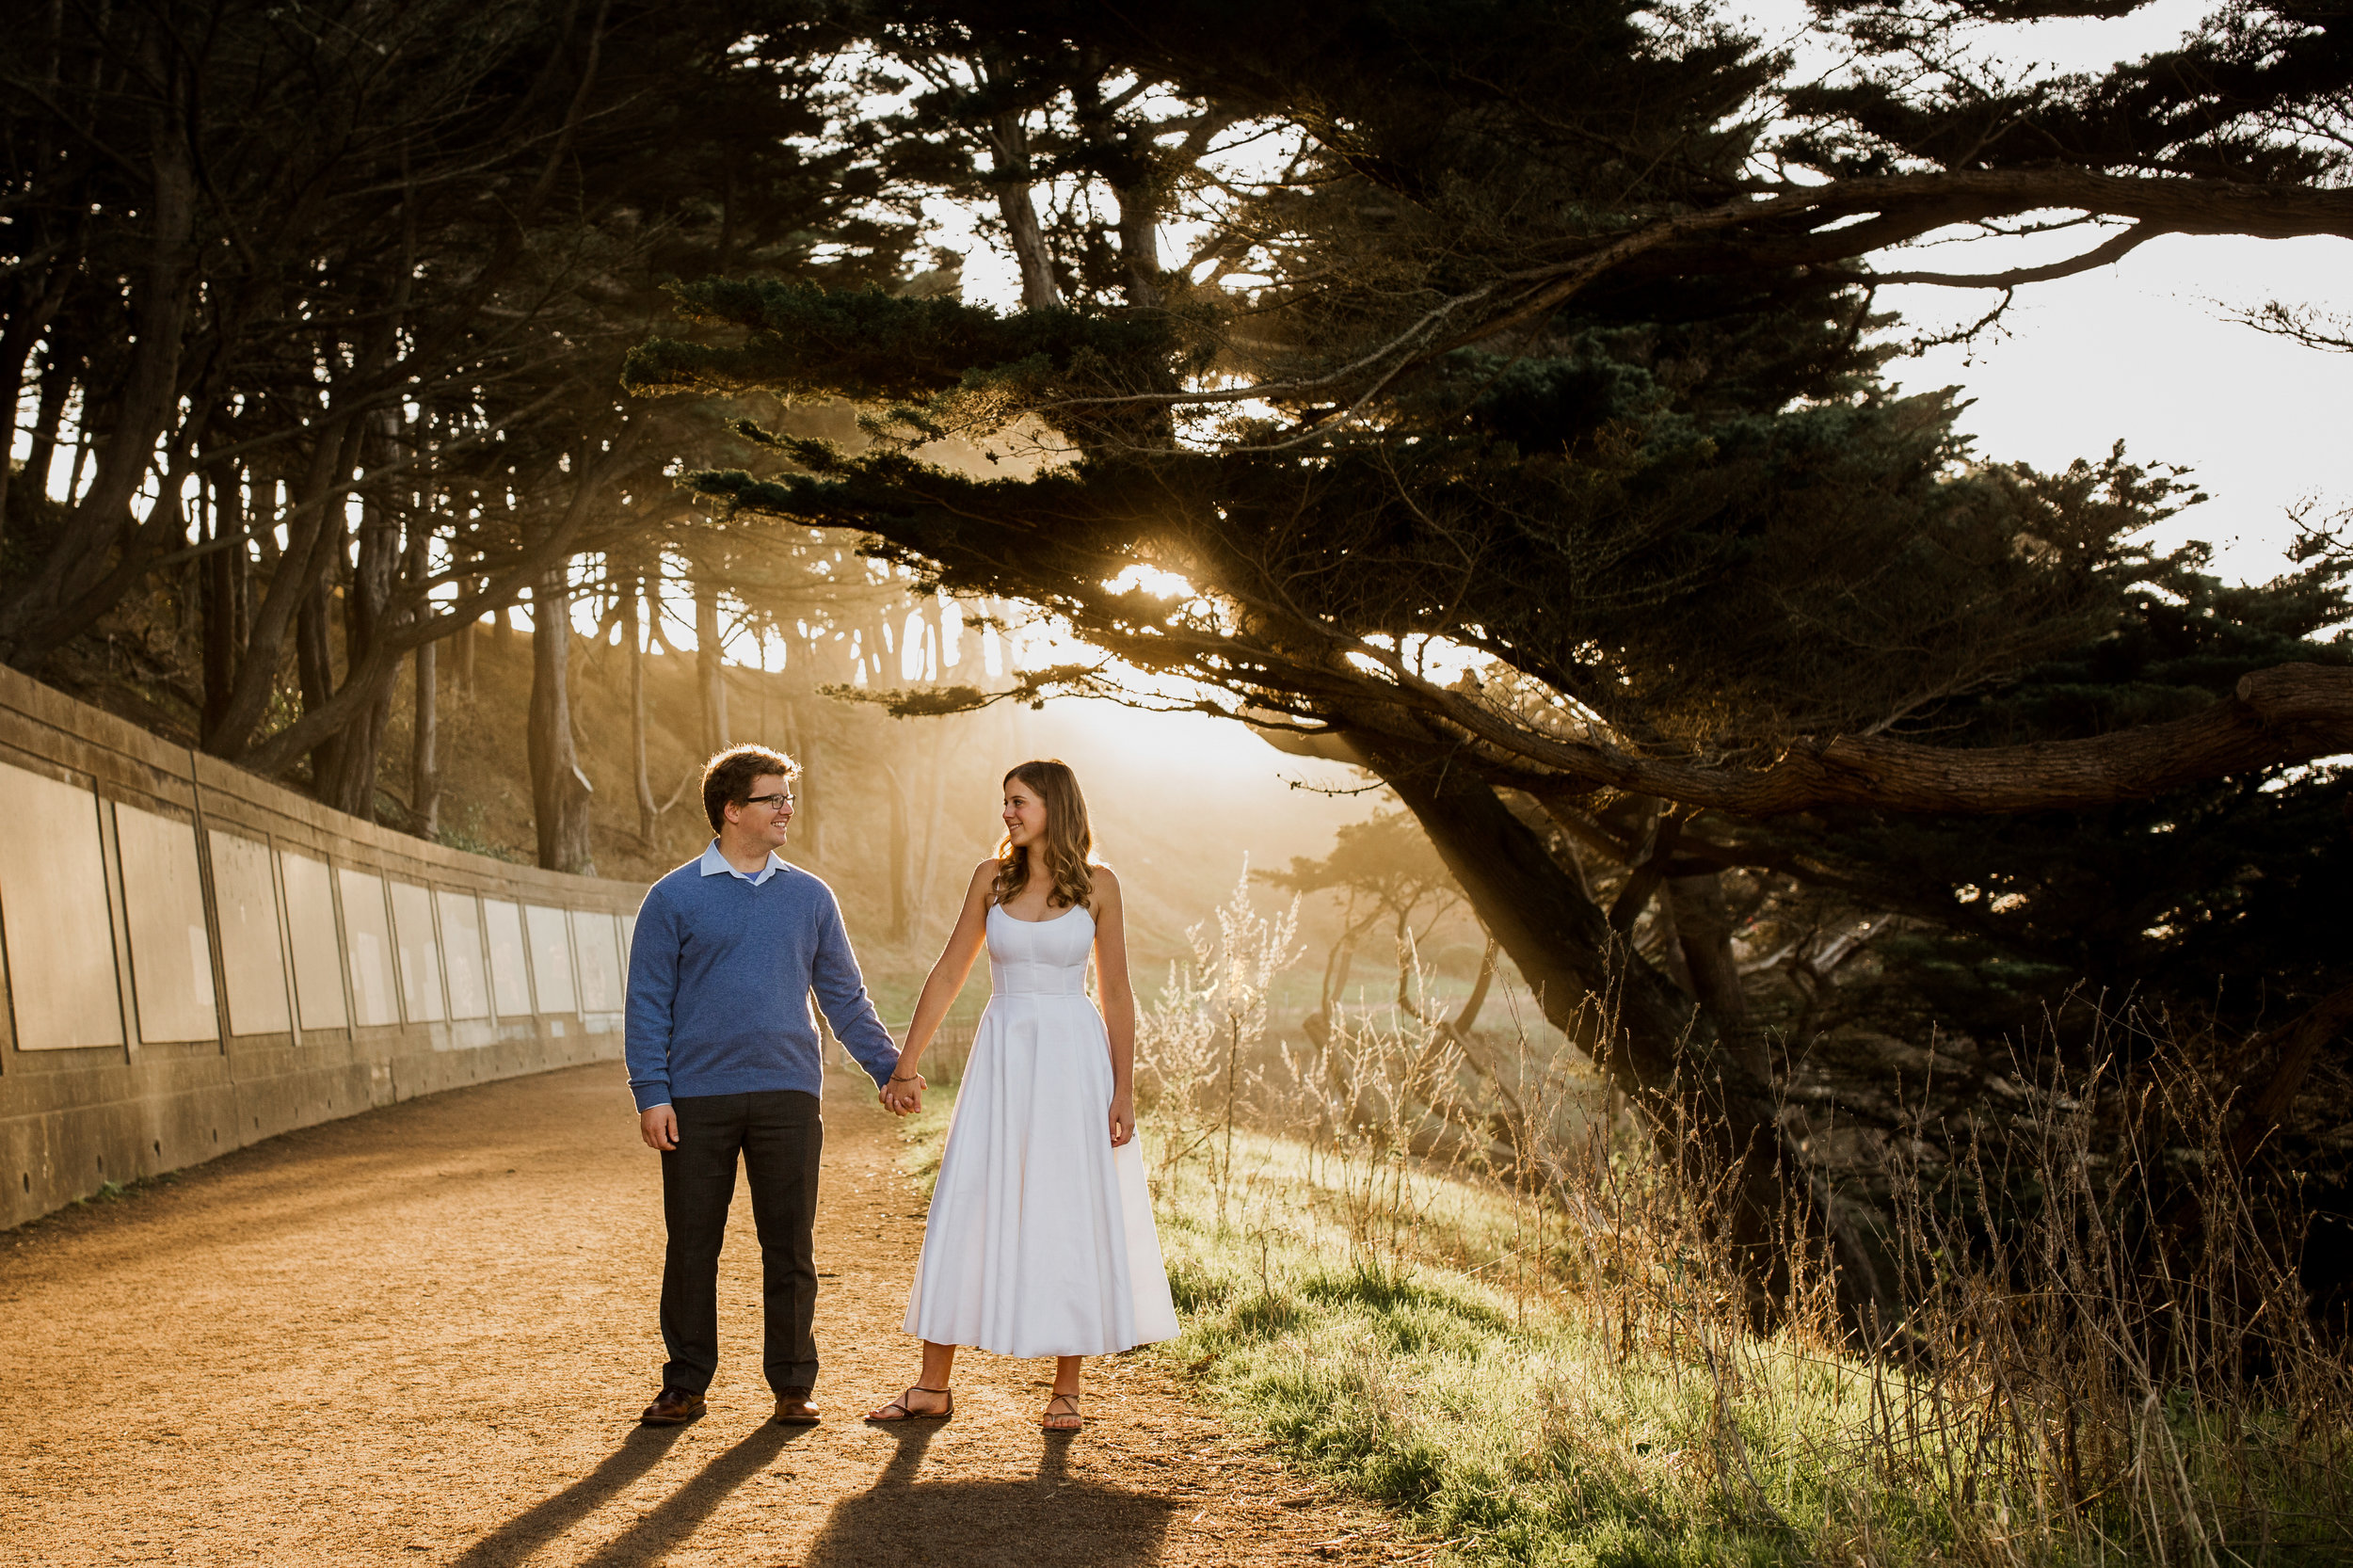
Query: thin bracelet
point(896, 1077)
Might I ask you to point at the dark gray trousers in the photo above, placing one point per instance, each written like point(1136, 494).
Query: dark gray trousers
point(779, 1135)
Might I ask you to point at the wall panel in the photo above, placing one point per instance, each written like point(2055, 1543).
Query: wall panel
point(462, 950)
point(252, 955)
point(171, 953)
point(594, 939)
point(419, 952)
point(53, 902)
point(318, 956)
point(551, 958)
point(510, 959)
point(368, 948)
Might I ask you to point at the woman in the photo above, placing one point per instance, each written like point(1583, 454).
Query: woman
point(1040, 1240)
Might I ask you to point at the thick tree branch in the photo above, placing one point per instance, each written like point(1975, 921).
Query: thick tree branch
point(1636, 895)
point(2285, 715)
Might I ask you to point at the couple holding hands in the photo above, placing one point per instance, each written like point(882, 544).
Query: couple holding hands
point(1040, 1238)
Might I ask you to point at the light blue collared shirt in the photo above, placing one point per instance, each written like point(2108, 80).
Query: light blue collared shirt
point(713, 863)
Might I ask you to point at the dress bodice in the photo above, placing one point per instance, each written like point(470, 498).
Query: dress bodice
point(1040, 957)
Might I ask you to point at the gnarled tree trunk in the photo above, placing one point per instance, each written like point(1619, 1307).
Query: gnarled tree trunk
point(224, 591)
point(425, 763)
point(1658, 1047)
point(901, 854)
point(347, 779)
point(560, 792)
point(1703, 927)
point(633, 634)
point(295, 600)
point(710, 669)
point(314, 672)
point(1013, 178)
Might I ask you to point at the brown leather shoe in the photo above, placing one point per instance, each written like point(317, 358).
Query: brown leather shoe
point(793, 1409)
point(673, 1407)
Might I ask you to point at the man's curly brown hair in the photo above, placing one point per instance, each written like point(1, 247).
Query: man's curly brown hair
point(728, 777)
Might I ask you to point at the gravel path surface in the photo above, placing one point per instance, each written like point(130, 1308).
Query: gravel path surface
point(423, 1334)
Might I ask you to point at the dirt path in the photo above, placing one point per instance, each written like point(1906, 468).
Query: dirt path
point(422, 1335)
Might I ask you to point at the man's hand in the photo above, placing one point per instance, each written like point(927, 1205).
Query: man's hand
point(658, 1126)
point(903, 1099)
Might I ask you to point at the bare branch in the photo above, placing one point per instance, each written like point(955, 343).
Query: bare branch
point(2116, 250)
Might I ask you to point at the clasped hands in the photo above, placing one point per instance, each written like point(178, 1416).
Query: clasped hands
point(903, 1096)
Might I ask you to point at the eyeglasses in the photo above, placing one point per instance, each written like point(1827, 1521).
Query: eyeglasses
point(773, 803)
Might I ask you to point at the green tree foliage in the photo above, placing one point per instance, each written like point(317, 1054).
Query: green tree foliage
point(330, 301)
point(1515, 426)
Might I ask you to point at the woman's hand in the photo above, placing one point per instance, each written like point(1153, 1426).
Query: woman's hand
point(1123, 1118)
point(903, 1096)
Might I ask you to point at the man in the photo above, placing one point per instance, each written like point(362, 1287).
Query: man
point(723, 1057)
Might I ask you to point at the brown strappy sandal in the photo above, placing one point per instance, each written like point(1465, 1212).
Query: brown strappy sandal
point(1046, 1423)
point(909, 1413)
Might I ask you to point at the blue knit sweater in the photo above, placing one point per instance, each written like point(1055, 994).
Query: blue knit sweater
point(720, 973)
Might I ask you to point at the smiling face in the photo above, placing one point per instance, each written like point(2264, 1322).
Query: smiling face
point(764, 818)
point(1025, 815)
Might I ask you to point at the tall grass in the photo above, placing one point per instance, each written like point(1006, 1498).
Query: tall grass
point(1447, 1274)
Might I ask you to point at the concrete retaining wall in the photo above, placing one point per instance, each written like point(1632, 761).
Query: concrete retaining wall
point(195, 959)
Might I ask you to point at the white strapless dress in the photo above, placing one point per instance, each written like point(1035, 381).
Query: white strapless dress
point(1040, 1240)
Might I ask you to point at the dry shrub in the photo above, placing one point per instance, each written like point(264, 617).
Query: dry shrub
point(2107, 1342)
point(1195, 1038)
point(2105, 1352)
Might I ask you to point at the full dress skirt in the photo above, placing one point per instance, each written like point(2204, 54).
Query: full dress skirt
point(1040, 1240)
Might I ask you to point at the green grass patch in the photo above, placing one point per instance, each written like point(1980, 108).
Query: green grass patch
point(1483, 1419)
point(117, 1192)
point(1418, 1385)
point(1428, 1352)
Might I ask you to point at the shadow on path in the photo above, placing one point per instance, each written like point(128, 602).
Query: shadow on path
point(1057, 1518)
point(517, 1539)
point(660, 1529)
point(670, 1522)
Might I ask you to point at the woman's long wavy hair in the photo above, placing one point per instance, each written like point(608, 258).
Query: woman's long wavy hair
point(1068, 838)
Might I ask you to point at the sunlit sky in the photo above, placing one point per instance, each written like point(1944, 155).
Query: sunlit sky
point(2142, 351)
